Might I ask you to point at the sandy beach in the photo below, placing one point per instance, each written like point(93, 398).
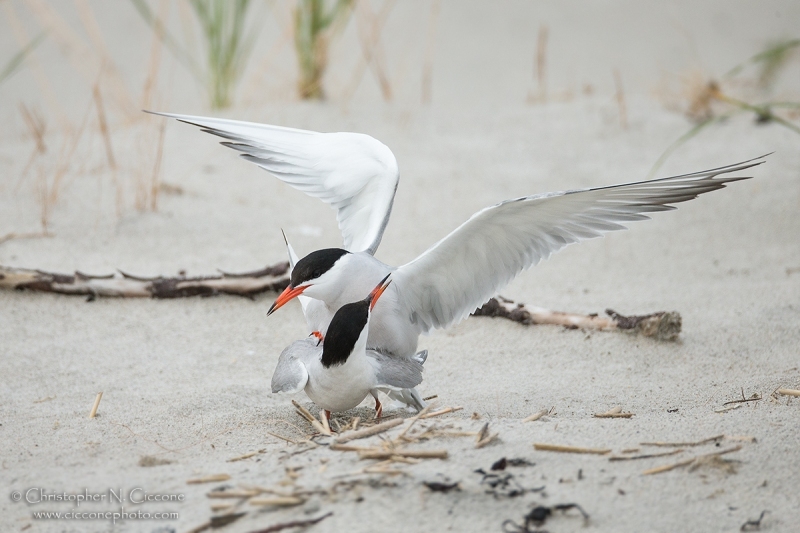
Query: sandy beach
point(185, 382)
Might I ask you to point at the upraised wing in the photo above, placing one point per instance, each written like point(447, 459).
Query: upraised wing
point(354, 173)
point(462, 271)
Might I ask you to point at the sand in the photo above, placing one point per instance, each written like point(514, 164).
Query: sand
point(186, 382)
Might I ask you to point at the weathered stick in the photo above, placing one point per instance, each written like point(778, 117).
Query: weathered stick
point(368, 432)
point(569, 449)
point(789, 392)
point(440, 412)
point(272, 278)
point(643, 456)
point(536, 416)
point(667, 468)
point(93, 412)
point(614, 412)
point(684, 444)
point(418, 454)
point(208, 479)
point(277, 501)
point(661, 325)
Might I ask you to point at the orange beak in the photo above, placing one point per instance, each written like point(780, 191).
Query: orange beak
point(377, 291)
point(286, 296)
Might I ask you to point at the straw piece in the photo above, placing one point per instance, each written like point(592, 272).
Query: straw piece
point(277, 501)
point(422, 413)
point(684, 444)
point(667, 468)
point(418, 454)
point(441, 412)
point(535, 416)
point(93, 412)
point(308, 416)
point(368, 432)
point(231, 494)
point(246, 456)
point(643, 456)
point(324, 419)
point(569, 449)
point(789, 392)
point(208, 479)
point(614, 412)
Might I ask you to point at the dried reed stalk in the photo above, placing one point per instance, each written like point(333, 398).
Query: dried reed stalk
point(667, 468)
point(93, 412)
point(569, 449)
point(427, 60)
point(789, 392)
point(536, 416)
point(684, 444)
point(208, 479)
point(368, 432)
point(277, 501)
point(417, 454)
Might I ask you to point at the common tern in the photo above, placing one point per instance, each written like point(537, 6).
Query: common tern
point(358, 175)
point(340, 373)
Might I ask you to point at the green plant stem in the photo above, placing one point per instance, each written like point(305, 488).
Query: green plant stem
point(19, 57)
point(683, 138)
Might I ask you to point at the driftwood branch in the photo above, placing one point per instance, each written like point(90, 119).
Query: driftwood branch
point(662, 326)
point(270, 279)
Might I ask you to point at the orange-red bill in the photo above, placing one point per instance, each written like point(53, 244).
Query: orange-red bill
point(377, 291)
point(288, 294)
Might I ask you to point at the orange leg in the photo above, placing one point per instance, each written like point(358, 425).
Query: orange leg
point(378, 408)
point(328, 416)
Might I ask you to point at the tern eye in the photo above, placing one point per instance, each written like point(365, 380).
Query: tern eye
point(316, 274)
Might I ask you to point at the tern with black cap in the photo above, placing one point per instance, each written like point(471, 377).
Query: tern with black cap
point(338, 374)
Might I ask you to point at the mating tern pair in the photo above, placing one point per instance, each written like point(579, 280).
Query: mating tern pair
point(358, 176)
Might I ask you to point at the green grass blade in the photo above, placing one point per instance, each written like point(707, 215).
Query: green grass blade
point(19, 57)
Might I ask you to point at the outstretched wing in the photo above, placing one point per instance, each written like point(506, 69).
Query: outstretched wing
point(466, 268)
point(354, 173)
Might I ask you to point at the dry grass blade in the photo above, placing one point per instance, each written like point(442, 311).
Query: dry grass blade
point(684, 444)
point(208, 479)
point(19, 57)
point(93, 412)
point(789, 392)
point(643, 456)
point(614, 412)
point(483, 437)
point(416, 454)
point(277, 501)
point(246, 456)
point(101, 117)
point(368, 432)
point(569, 449)
point(424, 411)
point(536, 416)
point(697, 459)
point(232, 494)
point(440, 412)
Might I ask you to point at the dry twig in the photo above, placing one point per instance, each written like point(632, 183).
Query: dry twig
point(208, 479)
point(93, 412)
point(569, 449)
point(694, 460)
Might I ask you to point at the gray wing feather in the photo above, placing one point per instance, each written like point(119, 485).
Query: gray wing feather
point(290, 374)
point(396, 372)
